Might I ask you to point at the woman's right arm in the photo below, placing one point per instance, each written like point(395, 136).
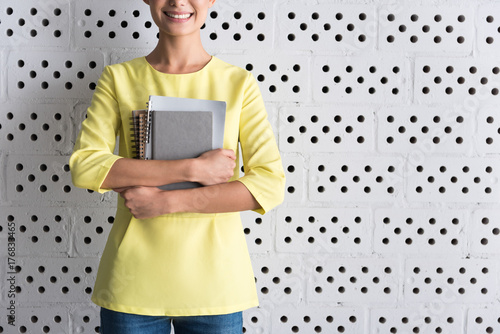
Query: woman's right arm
point(212, 167)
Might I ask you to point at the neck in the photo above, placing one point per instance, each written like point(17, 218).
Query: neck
point(178, 55)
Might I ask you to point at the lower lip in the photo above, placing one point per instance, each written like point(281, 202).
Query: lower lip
point(177, 20)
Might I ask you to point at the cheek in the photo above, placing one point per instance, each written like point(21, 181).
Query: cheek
point(156, 17)
point(202, 3)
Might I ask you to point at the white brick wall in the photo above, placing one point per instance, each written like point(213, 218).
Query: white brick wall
point(387, 117)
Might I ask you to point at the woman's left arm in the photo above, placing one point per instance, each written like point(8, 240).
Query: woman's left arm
point(149, 202)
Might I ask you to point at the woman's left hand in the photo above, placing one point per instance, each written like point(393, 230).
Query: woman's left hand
point(143, 202)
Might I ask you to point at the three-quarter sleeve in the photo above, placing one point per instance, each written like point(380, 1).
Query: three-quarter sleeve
point(93, 156)
point(264, 176)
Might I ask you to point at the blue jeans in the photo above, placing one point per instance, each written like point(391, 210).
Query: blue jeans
point(113, 322)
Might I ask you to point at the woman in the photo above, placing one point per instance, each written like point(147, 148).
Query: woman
point(177, 257)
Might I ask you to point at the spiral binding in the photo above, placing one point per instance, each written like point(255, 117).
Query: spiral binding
point(140, 133)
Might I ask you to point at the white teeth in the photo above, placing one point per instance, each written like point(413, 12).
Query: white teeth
point(182, 16)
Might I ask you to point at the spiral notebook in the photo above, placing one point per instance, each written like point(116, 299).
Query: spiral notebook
point(178, 128)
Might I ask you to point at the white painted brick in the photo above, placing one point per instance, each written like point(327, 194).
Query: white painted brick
point(8, 286)
point(326, 27)
point(450, 281)
point(111, 24)
point(426, 29)
point(45, 179)
point(281, 77)
point(42, 230)
point(36, 128)
point(487, 137)
point(295, 180)
point(446, 179)
point(326, 129)
point(257, 320)
point(43, 74)
point(339, 178)
point(369, 79)
point(37, 24)
point(85, 318)
point(428, 130)
point(465, 83)
point(4, 326)
point(483, 320)
point(322, 230)
point(435, 318)
point(90, 230)
point(488, 28)
point(279, 280)
point(53, 319)
point(257, 230)
point(62, 280)
point(3, 77)
point(239, 24)
point(345, 280)
point(419, 231)
point(313, 319)
point(4, 230)
point(484, 232)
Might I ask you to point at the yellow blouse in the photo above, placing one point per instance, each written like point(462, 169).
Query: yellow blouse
point(186, 263)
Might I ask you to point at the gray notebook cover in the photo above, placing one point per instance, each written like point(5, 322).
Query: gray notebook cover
point(182, 128)
point(180, 135)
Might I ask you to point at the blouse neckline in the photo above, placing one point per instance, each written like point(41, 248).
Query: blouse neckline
point(179, 74)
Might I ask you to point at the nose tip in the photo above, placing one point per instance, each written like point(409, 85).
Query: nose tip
point(177, 3)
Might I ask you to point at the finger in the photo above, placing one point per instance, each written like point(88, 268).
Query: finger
point(230, 154)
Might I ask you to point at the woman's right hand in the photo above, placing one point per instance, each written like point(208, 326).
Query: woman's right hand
point(215, 166)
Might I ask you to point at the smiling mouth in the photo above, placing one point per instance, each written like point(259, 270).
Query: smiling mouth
point(178, 16)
